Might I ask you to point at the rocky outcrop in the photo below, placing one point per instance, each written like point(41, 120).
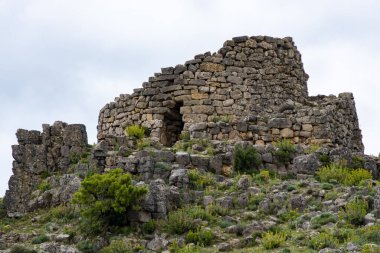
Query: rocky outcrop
point(41, 162)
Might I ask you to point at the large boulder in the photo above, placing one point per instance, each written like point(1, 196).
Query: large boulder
point(306, 164)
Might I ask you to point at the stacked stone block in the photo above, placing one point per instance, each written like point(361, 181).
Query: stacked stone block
point(257, 83)
point(40, 155)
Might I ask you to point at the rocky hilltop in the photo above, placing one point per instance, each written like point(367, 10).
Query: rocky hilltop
point(199, 118)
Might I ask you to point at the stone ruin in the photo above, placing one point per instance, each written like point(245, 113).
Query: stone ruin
point(257, 83)
point(253, 91)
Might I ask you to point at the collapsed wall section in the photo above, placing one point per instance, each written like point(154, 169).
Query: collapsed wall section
point(38, 156)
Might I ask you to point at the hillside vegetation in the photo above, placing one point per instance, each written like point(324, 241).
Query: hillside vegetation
point(248, 209)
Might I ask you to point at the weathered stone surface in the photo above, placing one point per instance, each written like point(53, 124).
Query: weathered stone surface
point(179, 178)
point(157, 244)
point(279, 123)
point(376, 204)
point(306, 164)
point(211, 67)
point(40, 154)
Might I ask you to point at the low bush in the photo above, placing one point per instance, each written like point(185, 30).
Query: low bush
point(202, 237)
point(135, 131)
point(21, 249)
point(44, 186)
point(198, 212)
point(3, 211)
point(323, 240)
point(323, 219)
point(246, 160)
point(290, 215)
point(200, 180)
point(105, 198)
point(117, 246)
point(40, 239)
point(62, 214)
point(216, 209)
point(271, 240)
point(179, 222)
point(285, 151)
point(327, 186)
point(354, 211)
point(370, 248)
point(87, 247)
point(370, 234)
point(264, 175)
point(357, 162)
point(185, 135)
point(176, 247)
point(343, 175)
point(149, 227)
point(254, 201)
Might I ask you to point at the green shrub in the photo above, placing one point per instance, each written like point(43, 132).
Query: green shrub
point(40, 239)
point(135, 131)
point(343, 234)
point(290, 215)
point(44, 186)
point(185, 135)
point(323, 240)
point(186, 145)
point(324, 159)
point(246, 160)
point(343, 175)
point(323, 219)
point(143, 143)
point(3, 211)
point(179, 222)
point(21, 249)
point(357, 162)
point(370, 248)
point(357, 176)
point(370, 234)
point(202, 237)
point(354, 211)
point(190, 248)
point(271, 240)
point(327, 186)
point(117, 246)
point(62, 214)
point(87, 247)
point(198, 212)
point(200, 180)
point(105, 198)
point(254, 201)
point(285, 151)
point(291, 187)
point(264, 175)
point(225, 223)
point(215, 209)
point(148, 227)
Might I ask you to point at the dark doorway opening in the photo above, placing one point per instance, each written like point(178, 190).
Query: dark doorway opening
point(173, 125)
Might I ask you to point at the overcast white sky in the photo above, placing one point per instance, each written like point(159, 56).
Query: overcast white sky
point(65, 59)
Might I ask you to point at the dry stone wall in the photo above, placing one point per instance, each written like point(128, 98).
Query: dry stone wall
point(253, 89)
point(38, 156)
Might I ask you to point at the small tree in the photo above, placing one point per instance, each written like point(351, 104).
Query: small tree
point(105, 198)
